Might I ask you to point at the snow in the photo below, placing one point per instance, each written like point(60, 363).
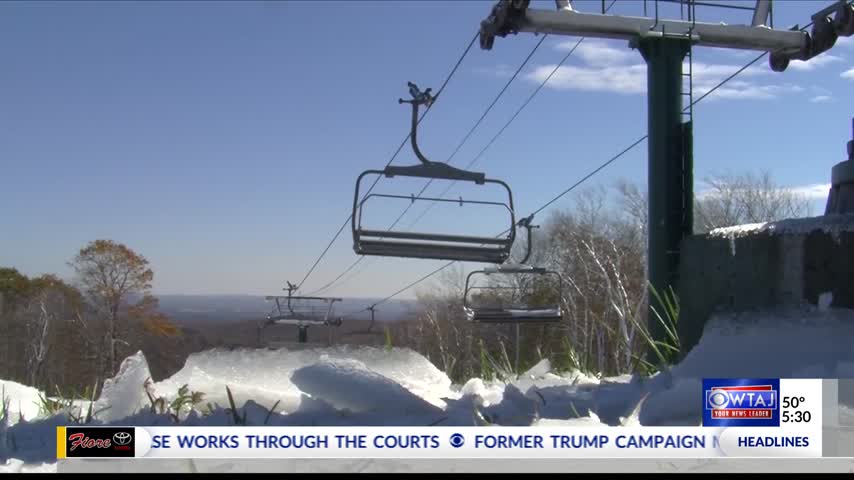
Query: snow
point(833, 224)
point(124, 394)
point(773, 344)
point(18, 466)
point(350, 385)
point(211, 371)
point(377, 386)
point(23, 401)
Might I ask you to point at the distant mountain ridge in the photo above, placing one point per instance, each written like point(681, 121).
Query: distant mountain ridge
point(194, 308)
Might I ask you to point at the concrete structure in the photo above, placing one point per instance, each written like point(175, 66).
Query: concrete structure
point(797, 262)
point(765, 266)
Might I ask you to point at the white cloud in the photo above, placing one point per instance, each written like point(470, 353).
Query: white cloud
point(606, 66)
point(501, 71)
point(821, 99)
point(814, 191)
point(717, 72)
point(848, 74)
point(598, 53)
point(738, 53)
point(814, 63)
point(844, 42)
point(628, 79)
point(631, 79)
point(742, 90)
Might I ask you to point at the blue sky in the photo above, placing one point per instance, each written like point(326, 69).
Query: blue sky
point(222, 140)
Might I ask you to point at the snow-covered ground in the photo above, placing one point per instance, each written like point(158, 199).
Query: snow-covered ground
point(375, 386)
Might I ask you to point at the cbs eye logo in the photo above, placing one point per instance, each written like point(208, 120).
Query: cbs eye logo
point(718, 399)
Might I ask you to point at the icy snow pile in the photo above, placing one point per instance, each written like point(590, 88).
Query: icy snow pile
point(375, 386)
point(265, 375)
point(124, 395)
point(350, 385)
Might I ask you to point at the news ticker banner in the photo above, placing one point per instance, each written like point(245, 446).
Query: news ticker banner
point(741, 418)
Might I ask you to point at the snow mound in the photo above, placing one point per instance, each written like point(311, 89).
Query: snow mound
point(678, 405)
point(265, 375)
point(792, 343)
point(124, 394)
point(18, 466)
point(23, 401)
point(591, 420)
point(350, 385)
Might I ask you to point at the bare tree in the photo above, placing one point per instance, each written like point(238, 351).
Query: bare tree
point(746, 198)
point(51, 301)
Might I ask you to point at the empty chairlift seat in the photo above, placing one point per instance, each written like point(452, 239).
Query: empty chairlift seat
point(513, 294)
point(439, 246)
point(303, 311)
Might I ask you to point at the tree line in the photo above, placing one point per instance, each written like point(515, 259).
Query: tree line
point(72, 335)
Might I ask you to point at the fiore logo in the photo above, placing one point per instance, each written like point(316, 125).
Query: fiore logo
point(82, 441)
point(85, 442)
point(741, 402)
point(122, 438)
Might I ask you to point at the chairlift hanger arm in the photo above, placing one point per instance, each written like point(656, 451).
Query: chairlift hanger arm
point(418, 98)
point(427, 168)
point(526, 223)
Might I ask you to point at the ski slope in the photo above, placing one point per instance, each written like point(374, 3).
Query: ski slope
point(398, 387)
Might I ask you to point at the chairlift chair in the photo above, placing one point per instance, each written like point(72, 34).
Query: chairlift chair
point(515, 312)
point(302, 311)
point(437, 246)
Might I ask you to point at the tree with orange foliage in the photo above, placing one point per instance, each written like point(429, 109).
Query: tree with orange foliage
point(109, 274)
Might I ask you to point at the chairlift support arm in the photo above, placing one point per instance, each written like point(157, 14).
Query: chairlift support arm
point(514, 16)
point(511, 17)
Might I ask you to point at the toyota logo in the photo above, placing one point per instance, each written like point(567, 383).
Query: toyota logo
point(122, 438)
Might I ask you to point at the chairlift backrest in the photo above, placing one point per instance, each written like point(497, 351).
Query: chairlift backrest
point(302, 310)
point(366, 241)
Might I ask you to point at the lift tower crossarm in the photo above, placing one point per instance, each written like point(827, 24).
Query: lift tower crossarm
point(506, 19)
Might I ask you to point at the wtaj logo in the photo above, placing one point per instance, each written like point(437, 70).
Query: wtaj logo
point(741, 402)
